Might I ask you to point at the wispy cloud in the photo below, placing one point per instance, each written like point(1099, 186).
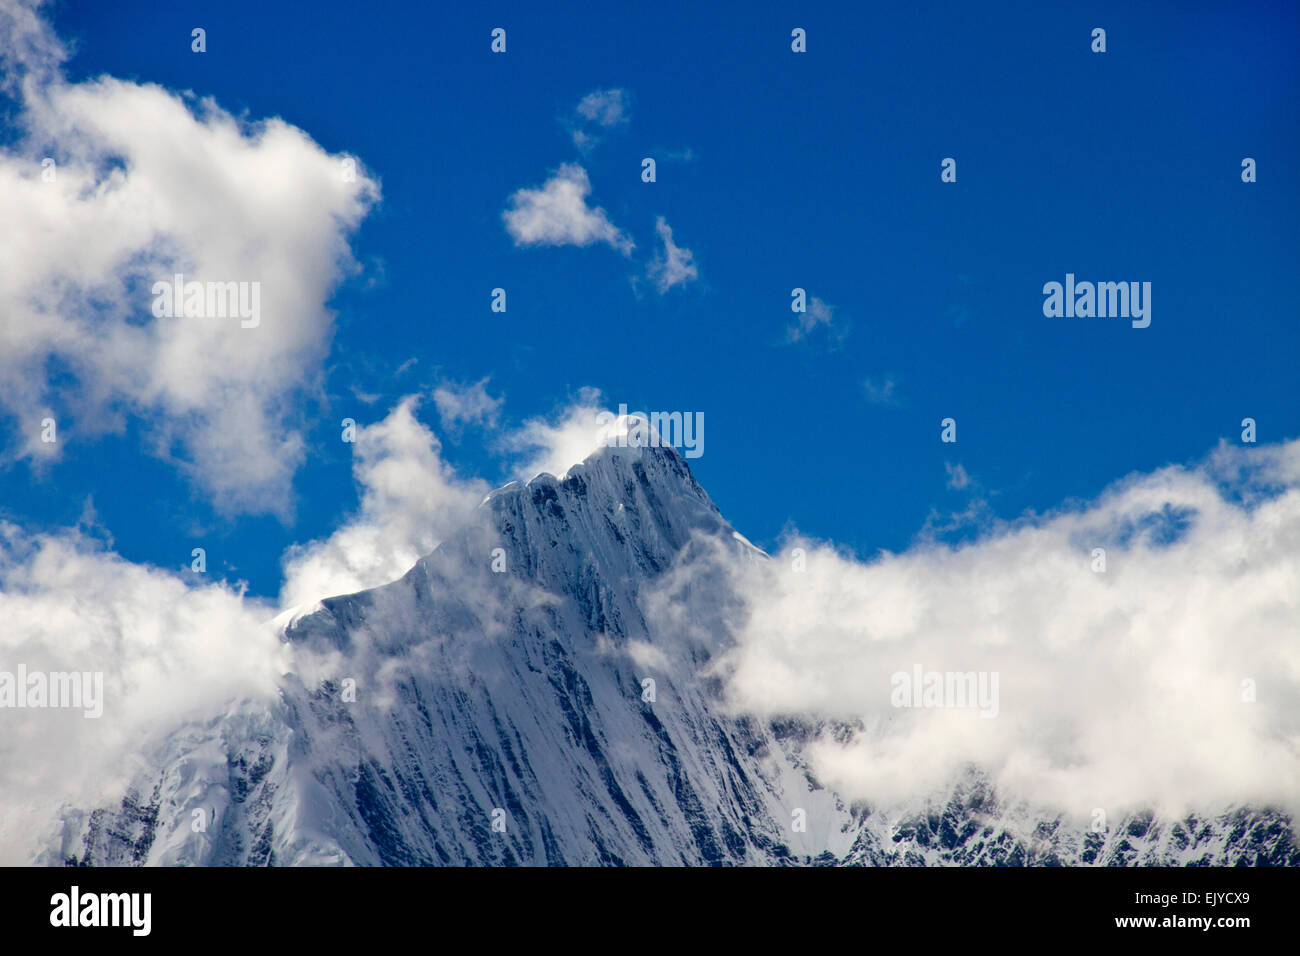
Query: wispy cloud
point(460, 405)
point(958, 479)
point(673, 264)
point(882, 391)
point(597, 113)
point(818, 315)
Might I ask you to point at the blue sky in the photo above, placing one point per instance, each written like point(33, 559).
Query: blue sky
point(817, 170)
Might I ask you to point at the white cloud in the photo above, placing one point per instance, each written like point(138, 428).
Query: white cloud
point(148, 184)
point(168, 651)
point(410, 501)
point(674, 265)
point(29, 50)
point(557, 443)
point(460, 405)
point(1117, 689)
point(553, 444)
point(557, 214)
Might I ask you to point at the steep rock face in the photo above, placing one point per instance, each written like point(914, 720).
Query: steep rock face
point(494, 706)
point(510, 658)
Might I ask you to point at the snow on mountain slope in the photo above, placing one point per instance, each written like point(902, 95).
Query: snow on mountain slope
point(493, 706)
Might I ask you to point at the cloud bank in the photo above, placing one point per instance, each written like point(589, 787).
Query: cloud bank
point(1166, 675)
point(168, 651)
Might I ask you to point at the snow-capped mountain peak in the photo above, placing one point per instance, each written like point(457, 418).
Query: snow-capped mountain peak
point(532, 692)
